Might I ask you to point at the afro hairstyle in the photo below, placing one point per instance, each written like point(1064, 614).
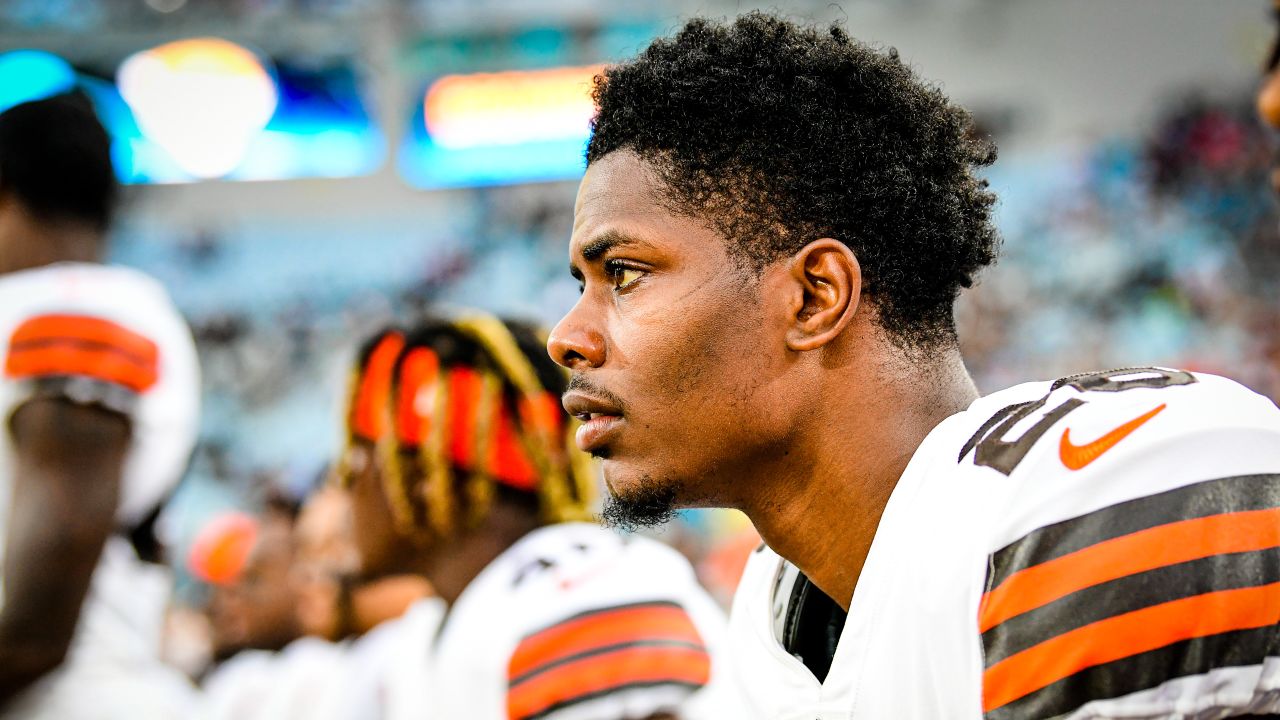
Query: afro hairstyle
point(777, 134)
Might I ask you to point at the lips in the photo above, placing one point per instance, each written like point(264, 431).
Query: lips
point(600, 419)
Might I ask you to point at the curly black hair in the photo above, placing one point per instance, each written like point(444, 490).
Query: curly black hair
point(779, 134)
point(55, 156)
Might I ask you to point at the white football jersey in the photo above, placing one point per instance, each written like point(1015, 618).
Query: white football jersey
point(386, 670)
point(1106, 546)
point(110, 336)
point(577, 622)
point(301, 682)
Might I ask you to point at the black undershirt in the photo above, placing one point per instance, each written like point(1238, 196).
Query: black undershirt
point(813, 626)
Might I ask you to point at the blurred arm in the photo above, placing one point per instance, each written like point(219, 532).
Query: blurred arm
point(385, 599)
point(68, 465)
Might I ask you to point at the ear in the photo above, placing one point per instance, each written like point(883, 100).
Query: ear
point(828, 278)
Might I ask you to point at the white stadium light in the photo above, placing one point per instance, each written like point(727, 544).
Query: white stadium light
point(203, 100)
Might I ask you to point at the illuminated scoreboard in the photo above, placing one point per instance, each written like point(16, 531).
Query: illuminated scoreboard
point(501, 127)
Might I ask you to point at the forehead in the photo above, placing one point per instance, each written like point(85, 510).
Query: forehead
point(617, 185)
point(622, 194)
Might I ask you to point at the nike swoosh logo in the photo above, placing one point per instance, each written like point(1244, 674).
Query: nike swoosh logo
point(1077, 456)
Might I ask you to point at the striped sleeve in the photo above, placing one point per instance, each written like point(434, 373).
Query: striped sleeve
point(56, 346)
point(648, 646)
point(1133, 596)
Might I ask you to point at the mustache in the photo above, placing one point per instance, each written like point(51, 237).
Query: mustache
point(579, 382)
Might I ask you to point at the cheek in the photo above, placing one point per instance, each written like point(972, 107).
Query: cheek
point(698, 365)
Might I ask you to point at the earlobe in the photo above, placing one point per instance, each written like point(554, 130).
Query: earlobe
point(829, 280)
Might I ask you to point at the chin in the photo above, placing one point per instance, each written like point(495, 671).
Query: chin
point(624, 479)
point(640, 500)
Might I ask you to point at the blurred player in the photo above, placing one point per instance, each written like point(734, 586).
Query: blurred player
point(469, 465)
point(289, 584)
point(99, 399)
point(773, 228)
point(249, 562)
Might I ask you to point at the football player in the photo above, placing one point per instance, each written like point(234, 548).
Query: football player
point(773, 228)
point(460, 447)
point(248, 563)
point(99, 400)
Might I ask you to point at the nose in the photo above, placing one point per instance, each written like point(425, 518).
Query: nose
point(575, 342)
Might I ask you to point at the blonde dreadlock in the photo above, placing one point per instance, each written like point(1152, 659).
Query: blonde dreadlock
point(564, 477)
point(374, 358)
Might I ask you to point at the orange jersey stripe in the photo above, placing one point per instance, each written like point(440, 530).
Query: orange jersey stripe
point(1129, 634)
point(69, 359)
point(86, 329)
point(1144, 550)
point(611, 627)
point(617, 669)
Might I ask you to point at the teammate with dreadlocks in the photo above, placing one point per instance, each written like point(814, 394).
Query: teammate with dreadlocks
point(773, 228)
point(458, 442)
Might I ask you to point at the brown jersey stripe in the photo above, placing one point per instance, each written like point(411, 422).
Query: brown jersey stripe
point(622, 667)
point(73, 359)
point(515, 682)
point(1138, 552)
point(1144, 671)
point(587, 697)
point(87, 329)
point(659, 620)
point(1127, 594)
point(36, 346)
point(1211, 497)
point(1125, 635)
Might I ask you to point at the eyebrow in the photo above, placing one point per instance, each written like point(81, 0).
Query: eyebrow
point(606, 241)
point(603, 243)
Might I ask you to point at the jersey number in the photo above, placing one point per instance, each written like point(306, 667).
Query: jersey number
point(992, 450)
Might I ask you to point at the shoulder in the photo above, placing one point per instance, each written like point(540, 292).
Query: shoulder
point(112, 287)
point(572, 564)
point(1101, 439)
point(1136, 543)
point(605, 621)
point(79, 316)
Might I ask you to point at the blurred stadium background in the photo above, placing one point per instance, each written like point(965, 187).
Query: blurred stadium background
point(300, 171)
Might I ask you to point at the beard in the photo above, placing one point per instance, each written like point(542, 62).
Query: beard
point(649, 505)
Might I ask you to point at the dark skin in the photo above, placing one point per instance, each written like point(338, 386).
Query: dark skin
point(68, 464)
point(29, 241)
point(258, 610)
point(450, 565)
point(775, 393)
point(1268, 99)
point(65, 488)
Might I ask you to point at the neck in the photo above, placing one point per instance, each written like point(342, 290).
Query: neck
point(824, 503)
point(28, 241)
point(451, 566)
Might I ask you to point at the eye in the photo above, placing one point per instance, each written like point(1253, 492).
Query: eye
point(620, 275)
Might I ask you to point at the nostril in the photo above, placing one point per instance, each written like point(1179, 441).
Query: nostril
point(571, 358)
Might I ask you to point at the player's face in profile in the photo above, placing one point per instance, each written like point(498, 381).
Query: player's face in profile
point(372, 530)
point(1269, 92)
point(669, 344)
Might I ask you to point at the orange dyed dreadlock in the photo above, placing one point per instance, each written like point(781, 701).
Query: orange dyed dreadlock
point(475, 410)
point(368, 388)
